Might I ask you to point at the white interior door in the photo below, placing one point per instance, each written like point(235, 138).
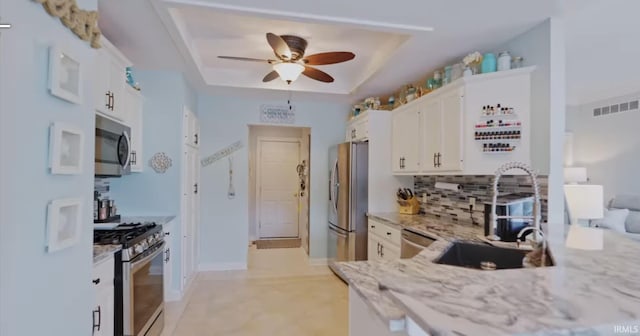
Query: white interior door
point(278, 187)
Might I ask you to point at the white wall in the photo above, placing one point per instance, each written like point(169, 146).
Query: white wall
point(224, 230)
point(41, 293)
point(608, 146)
point(294, 133)
point(543, 46)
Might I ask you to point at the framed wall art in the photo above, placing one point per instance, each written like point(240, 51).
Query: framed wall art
point(64, 217)
point(65, 149)
point(65, 75)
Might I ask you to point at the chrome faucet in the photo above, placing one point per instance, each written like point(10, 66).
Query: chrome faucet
point(544, 241)
point(536, 203)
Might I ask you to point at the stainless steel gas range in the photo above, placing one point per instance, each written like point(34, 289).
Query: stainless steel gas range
point(139, 284)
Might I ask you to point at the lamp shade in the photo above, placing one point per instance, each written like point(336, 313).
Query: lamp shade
point(575, 174)
point(584, 201)
point(289, 72)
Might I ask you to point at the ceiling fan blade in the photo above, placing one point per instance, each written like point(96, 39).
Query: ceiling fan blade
point(316, 74)
point(329, 58)
point(270, 76)
point(280, 47)
point(245, 59)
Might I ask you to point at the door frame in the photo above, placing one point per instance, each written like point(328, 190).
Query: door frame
point(262, 139)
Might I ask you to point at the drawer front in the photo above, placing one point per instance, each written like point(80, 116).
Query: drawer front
point(386, 232)
point(103, 274)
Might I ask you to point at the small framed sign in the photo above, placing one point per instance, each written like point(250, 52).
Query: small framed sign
point(65, 75)
point(278, 114)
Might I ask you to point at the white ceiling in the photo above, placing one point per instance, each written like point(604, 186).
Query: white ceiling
point(208, 33)
point(185, 35)
point(603, 52)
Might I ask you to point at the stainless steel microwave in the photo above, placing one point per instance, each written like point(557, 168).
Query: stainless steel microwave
point(113, 148)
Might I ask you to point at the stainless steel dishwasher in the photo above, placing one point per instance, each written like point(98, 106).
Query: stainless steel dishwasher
point(412, 243)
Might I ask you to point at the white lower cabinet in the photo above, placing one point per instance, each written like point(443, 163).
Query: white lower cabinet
point(168, 262)
point(383, 242)
point(103, 310)
point(363, 321)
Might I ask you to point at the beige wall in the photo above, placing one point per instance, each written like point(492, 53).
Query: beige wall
point(298, 133)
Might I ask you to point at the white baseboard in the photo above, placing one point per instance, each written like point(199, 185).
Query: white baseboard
point(318, 261)
point(208, 267)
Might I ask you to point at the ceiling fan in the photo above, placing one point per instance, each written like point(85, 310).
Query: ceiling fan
point(290, 62)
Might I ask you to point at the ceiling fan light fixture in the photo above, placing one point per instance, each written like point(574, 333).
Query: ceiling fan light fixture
point(288, 71)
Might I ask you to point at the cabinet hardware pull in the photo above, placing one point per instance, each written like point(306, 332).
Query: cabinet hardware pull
point(379, 249)
point(195, 188)
point(388, 233)
point(96, 281)
point(382, 250)
point(434, 160)
point(167, 233)
point(113, 102)
point(439, 156)
point(373, 226)
point(108, 104)
point(167, 255)
point(97, 326)
point(196, 136)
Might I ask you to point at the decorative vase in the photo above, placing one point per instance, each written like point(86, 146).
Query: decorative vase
point(489, 63)
point(467, 72)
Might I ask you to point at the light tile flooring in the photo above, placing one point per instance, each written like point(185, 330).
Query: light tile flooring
point(280, 294)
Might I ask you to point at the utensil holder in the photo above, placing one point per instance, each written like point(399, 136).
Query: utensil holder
point(408, 207)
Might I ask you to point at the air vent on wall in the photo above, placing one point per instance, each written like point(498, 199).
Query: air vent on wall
point(615, 108)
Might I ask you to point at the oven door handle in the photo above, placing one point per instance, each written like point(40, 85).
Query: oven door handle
point(140, 263)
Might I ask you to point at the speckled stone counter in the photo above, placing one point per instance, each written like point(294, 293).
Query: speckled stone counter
point(431, 225)
point(363, 275)
point(586, 293)
point(102, 252)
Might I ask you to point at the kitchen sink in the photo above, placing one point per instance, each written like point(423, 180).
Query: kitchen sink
point(479, 256)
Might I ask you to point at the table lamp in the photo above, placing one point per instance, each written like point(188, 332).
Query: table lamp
point(584, 202)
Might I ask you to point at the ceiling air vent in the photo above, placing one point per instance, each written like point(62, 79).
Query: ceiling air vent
point(615, 108)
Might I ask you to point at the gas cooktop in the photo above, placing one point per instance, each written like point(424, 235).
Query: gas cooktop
point(126, 234)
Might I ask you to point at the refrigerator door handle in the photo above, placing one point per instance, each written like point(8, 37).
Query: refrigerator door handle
point(335, 187)
point(338, 233)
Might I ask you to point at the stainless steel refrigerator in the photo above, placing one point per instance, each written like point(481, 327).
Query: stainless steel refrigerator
point(348, 193)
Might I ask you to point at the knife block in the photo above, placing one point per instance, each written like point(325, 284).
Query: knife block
point(408, 207)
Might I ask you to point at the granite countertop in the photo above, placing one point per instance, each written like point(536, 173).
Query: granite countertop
point(364, 275)
point(102, 252)
point(587, 292)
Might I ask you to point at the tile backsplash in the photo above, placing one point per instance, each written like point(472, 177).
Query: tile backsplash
point(454, 205)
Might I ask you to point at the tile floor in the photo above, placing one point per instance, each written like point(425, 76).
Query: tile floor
point(280, 294)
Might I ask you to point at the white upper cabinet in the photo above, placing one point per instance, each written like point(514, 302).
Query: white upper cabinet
point(405, 155)
point(132, 106)
point(451, 134)
point(110, 81)
point(358, 129)
point(442, 132)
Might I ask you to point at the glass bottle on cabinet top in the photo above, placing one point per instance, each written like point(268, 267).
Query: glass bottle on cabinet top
point(504, 61)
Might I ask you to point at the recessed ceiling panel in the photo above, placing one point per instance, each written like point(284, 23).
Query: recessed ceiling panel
point(208, 33)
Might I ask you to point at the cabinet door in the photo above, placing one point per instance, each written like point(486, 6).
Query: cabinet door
point(390, 251)
point(133, 105)
point(350, 133)
point(361, 130)
point(451, 150)
point(103, 312)
point(168, 261)
point(101, 82)
point(374, 248)
point(431, 135)
point(406, 141)
point(116, 86)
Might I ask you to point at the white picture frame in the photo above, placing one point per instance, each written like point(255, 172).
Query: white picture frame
point(64, 218)
point(66, 149)
point(65, 75)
